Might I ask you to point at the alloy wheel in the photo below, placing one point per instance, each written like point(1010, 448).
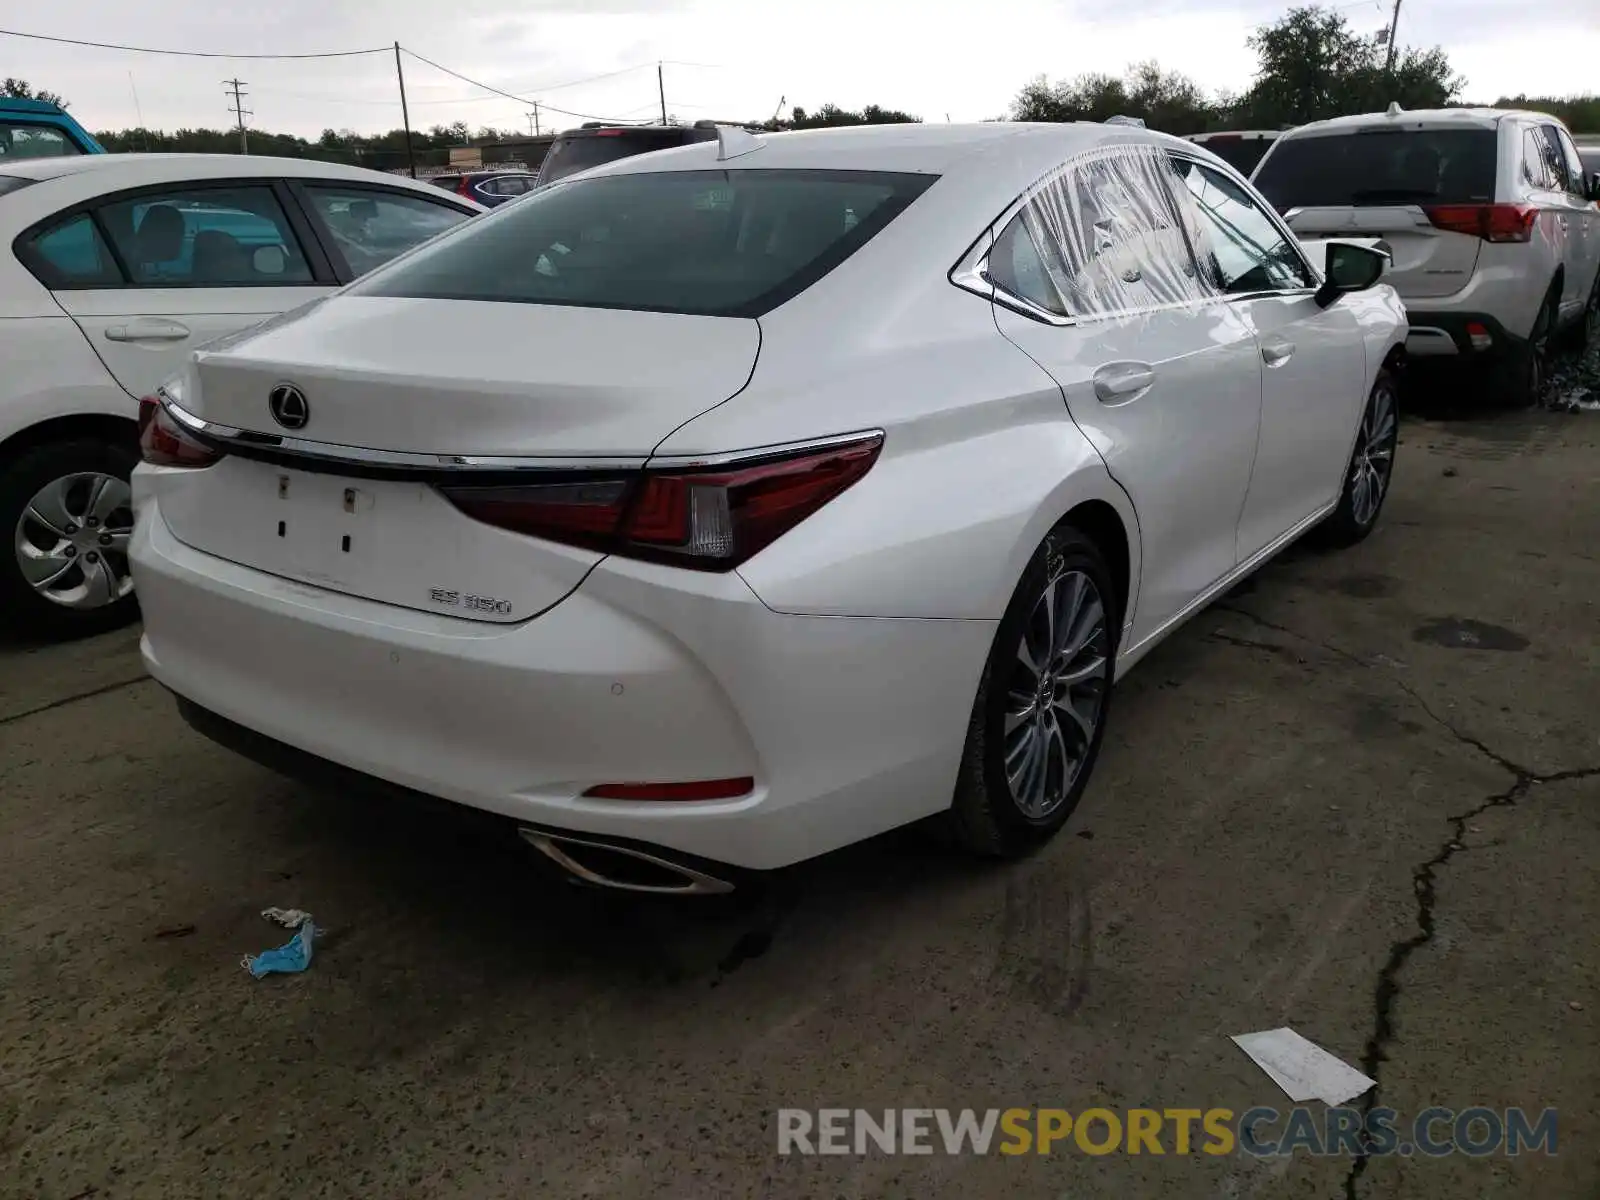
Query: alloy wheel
point(71, 541)
point(1056, 693)
point(1373, 464)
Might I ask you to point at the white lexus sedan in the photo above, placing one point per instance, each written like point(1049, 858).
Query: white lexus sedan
point(721, 507)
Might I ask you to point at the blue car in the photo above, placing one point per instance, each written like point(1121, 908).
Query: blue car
point(39, 129)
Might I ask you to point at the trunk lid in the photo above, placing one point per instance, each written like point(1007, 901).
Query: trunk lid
point(473, 378)
point(1427, 261)
point(447, 378)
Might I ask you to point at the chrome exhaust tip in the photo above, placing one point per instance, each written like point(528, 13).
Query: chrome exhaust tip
point(609, 865)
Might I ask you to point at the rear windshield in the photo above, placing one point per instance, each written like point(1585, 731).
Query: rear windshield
point(1242, 154)
point(569, 155)
point(1381, 166)
point(714, 243)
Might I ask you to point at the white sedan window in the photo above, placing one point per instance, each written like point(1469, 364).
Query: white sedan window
point(1238, 243)
point(1103, 232)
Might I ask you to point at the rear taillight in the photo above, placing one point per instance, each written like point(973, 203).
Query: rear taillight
point(1491, 222)
point(163, 442)
point(464, 188)
point(709, 518)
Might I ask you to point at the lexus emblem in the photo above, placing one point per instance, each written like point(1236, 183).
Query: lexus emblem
point(288, 406)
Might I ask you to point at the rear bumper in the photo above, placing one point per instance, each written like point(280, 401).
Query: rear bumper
point(1434, 334)
point(849, 726)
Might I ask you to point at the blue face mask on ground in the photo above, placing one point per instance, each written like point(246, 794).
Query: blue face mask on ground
point(291, 957)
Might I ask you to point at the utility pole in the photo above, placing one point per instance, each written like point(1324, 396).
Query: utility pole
point(661, 87)
point(235, 88)
point(1394, 26)
point(405, 113)
point(533, 120)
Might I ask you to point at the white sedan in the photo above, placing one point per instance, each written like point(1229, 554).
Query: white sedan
point(119, 265)
point(724, 506)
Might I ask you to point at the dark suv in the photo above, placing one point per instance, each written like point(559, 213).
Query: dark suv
point(488, 187)
point(579, 149)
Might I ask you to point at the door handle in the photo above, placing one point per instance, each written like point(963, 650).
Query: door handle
point(1277, 352)
point(148, 331)
point(1118, 382)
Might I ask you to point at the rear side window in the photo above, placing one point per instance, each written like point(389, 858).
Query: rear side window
point(371, 227)
point(569, 155)
point(18, 141)
point(1381, 167)
point(715, 243)
point(206, 237)
point(1536, 161)
point(1100, 236)
point(73, 254)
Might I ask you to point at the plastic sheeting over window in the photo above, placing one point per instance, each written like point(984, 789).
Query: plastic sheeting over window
point(1100, 235)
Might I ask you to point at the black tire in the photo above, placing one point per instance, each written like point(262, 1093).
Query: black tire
point(25, 612)
point(1372, 459)
point(1523, 374)
point(986, 817)
point(1585, 333)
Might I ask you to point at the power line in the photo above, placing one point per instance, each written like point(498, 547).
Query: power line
point(477, 83)
point(42, 37)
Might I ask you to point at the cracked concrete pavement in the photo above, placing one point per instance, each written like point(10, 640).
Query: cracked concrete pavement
point(1359, 797)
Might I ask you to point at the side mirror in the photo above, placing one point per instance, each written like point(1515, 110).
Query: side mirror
point(1349, 268)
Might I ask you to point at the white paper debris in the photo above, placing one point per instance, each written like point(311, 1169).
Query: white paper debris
point(289, 918)
point(1303, 1069)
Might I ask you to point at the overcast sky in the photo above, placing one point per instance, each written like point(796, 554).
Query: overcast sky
point(728, 59)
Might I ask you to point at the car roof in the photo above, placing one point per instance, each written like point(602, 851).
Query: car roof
point(915, 148)
point(131, 170)
point(1422, 118)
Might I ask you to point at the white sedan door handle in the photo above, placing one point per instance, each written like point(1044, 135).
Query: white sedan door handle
point(1116, 383)
point(148, 331)
point(1277, 352)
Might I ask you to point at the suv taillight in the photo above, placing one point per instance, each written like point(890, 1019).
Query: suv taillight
point(705, 518)
point(464, 188)
point(1491, 222)
point(163, 442)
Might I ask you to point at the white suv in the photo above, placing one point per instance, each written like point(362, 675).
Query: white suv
point(1490, 216)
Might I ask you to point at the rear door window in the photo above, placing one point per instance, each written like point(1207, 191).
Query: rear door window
point(718, 243)
point(206, 237)
point(72, 254)
point(1574, 163)
point(1101, 236)
point(1381, 167)
point(369, 227)
point(1536, 162)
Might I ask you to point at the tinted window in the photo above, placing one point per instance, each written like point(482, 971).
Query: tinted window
point(371, 227)
point(448, 182)
point(1574, 164)
point(73, 254)
point(1242, 154)
point(569, 155)
point(720, 243)
point(1381, 166)
point(206, 237)
point(1536, 161)
point(34, 141)
point(1237, 244)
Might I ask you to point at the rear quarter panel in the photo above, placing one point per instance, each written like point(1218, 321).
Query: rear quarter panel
point(980, 459)
point(51, 371)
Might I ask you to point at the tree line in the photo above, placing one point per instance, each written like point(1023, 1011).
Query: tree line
point(1310, 65)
